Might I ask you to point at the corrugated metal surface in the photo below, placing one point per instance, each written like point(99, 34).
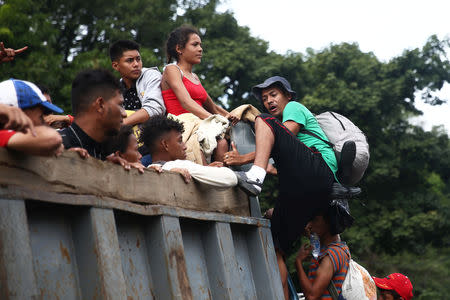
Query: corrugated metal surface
point(57, 251)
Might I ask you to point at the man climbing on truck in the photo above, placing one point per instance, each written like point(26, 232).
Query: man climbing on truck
point(306, 165)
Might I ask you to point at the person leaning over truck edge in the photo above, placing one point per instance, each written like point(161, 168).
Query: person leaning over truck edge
point(98, 114)
point(140, 86)
point(35, 139)
point(125, 145)
point(163, 137)
point(306, 166)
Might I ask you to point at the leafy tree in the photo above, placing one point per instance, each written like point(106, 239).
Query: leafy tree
point(402, 219)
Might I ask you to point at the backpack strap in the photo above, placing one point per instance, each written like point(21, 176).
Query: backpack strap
point(333, 290)
point(306, 131)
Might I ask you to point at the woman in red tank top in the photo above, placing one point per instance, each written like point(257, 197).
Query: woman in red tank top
point(182, 90)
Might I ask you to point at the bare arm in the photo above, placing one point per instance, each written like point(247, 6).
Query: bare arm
point(14, 118)
point(217, 109)
point(47, 142)
point(172, 78)
point(140, 116)
point(315, 289)
point(294, 127)
point(8, 54)
point(233, 158)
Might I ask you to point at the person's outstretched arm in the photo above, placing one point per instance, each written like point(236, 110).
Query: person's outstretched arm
point(47, 142)
point(8, 54)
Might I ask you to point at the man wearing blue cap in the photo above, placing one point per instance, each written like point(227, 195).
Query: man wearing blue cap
point(41, 140)
point(306, 165)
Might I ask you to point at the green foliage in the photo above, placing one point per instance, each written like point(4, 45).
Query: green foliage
point(402, 219)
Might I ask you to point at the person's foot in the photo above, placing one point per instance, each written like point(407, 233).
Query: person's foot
point(251, 187)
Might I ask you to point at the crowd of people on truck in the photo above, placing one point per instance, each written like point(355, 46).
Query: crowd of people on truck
point(139, 122)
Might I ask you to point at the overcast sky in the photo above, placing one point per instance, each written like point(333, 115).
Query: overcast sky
point(383, 27)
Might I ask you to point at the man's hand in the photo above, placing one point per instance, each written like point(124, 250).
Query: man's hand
point(233, 118)
point(216, 164)
point(271, 169)
point(81, 152)
point(232, 158)
point(116, 159)
point(183, 172)
point(303, 253)
point(157, 168)
point(268, 214)
point(50, 119)
point(139, 166)
point(14, 118)
point(8, 54)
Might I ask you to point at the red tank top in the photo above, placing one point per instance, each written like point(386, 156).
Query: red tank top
point(196, 91)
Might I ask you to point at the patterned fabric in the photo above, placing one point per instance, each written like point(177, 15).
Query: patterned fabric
point(340, 258)
point(131, 100)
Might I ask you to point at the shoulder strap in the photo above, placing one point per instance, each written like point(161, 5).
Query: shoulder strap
point(333, 291)
point(175, 64)
point(306, 131)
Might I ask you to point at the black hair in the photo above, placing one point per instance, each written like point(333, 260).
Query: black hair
point(337, 216)
point(44, 89)
point(117, 49)
point(155, 128)
point(120, 141)
point(90, 84)
point(394, 294)
point(178, 37)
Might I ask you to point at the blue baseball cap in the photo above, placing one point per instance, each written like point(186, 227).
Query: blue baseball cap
point(24, 94)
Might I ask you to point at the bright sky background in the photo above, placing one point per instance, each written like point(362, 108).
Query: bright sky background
point(383, 27)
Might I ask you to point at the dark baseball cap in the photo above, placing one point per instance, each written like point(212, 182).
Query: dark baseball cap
point(279, 81)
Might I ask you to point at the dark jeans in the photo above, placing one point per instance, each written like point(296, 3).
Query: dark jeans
point(305, 182)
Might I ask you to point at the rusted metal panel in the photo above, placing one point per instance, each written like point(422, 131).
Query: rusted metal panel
point(60, 251)
point(17, 279)
point(53, 254)
point(134, 250)
point(222, 263)
point(167, 259)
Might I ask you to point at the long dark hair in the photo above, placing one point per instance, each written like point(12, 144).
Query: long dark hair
point(178, 37)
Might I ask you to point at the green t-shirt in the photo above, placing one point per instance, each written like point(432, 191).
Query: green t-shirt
point(297, 112)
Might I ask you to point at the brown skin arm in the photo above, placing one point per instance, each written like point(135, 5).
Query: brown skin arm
point(213, 108)
point(294, 127)
point(47, 142)
point(315, 289)
point(15, 119)
point(8, 54)
point(172, 79)
point(50, 119)
point(139, 117)
point(234, 158)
